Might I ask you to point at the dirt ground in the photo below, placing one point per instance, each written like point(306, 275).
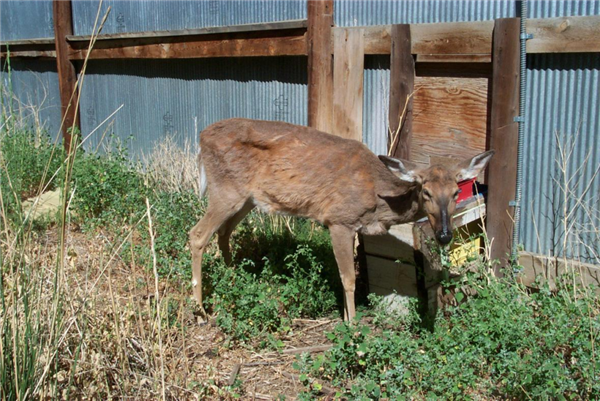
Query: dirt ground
point(200, 361)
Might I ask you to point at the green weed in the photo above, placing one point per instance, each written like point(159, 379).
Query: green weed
point(504, 342)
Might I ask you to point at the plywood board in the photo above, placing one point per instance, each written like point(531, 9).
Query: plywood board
point(564, 35)
point(449, 119)
point(387, 275)
point(348, 73)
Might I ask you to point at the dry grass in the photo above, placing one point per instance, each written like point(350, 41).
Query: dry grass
point(172, 167)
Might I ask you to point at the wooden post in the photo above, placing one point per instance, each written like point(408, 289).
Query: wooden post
point(67, 75)
point(502, 172)
point(402, 83)
point(320, 65)
point(348, 73)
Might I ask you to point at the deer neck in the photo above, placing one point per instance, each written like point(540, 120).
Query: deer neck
point(401, 208)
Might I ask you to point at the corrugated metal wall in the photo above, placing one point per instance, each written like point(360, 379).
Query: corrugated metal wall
point(34, 89)
point(155, 15)
point(381, 12)
point(178, 95)
point(26, 19)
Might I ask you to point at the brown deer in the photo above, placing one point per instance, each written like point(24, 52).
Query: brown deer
point(295, 170)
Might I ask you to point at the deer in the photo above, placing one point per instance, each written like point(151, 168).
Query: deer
point(289, 169)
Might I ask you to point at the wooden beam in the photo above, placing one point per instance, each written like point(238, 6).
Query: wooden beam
point(348, 73)
point(564, 35)
point(548, 269)
point(550, 35)
point(252, 44)
point(67, 75)
point(183, 33)
point(402, 84)
point(502, 172)
point(320, 64)
point(465, 42)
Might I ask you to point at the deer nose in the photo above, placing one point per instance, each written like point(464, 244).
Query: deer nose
point(444, 237)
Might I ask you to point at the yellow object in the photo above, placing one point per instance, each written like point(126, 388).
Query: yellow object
point(465, 247)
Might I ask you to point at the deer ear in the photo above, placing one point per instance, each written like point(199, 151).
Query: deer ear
point(470, 168)
point(403, 169)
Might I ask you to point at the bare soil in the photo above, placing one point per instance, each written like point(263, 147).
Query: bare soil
point(121, 354)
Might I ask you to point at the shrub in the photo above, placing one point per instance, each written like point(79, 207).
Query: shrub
point(250, 306)
point(27, 165)
point(173, 215)
point(107, 189)
point(504, 342)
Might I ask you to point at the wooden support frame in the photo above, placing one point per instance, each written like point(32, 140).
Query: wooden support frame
point(320, 64)
point(286, 38)
point(348, 77)
point(67, 75)
point(402, 84)
point(502, 171)
point(435, 42)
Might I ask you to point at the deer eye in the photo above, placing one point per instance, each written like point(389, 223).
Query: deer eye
point(426, 193)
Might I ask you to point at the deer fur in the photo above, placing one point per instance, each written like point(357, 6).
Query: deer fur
point(295, 170)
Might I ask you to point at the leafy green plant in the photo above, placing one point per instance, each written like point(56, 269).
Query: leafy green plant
point(107, 189)
point(503, 342)
point(250, 305)
point(173, 214)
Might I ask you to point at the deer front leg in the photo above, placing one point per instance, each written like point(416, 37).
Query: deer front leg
point(342, 239)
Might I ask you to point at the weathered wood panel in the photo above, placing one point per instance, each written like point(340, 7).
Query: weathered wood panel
point(454, 58)
point(385, 276)
point(389, 247)
point(402, 80)
point(348, 77)
point(449, 119)
point(288, 43)
point(564, 35)
point(320, 64)
point(502, 171)
point(452, 38)
point(260, 27)
point(548, 269)
point(551, 35)
point(67, 76)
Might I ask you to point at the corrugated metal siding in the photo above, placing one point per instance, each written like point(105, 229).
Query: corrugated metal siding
point(35, 95)
point(563, 111)
point(176, 97)
point(26, 20)
point(376, 103)
point(563, 92)
point(135, 16)
point(381, 12)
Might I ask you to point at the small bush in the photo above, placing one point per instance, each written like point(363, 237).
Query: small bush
point(504, 342)
point(27, 165)
point(173, 215)
point(107, 189)
point(249, 306)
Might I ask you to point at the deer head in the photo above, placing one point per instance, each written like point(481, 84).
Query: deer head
point(437, 188)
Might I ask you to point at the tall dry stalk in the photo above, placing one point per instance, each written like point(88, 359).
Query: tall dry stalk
point(393, 136)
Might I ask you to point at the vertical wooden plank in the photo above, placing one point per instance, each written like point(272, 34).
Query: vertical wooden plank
point(348, 72)
point(402, 81)
point(502, 172)
point(67, 75)
point(320, 64)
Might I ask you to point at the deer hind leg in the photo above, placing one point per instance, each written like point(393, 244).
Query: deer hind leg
point(216, 215)
point(342, 239)
point(228, 227)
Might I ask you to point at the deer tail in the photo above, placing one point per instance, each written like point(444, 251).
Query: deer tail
point(202, 182)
